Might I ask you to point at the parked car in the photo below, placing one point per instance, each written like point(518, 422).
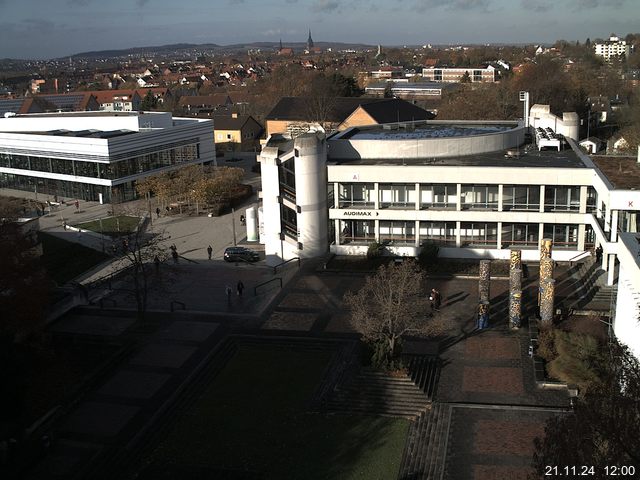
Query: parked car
point(234, 254)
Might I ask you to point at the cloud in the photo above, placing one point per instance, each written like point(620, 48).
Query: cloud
point(325, 6)
point(478, 5)
point(597, 3)
point(141, 3)
point(537, 5)
point(78, 3)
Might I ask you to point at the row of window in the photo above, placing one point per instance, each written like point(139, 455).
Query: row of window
point(445, 196)
point(109, 171)
point(472, 234)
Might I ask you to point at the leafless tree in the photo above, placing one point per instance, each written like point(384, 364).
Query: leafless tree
point(392, 303)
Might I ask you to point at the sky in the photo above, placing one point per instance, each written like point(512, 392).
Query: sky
point(42, 29)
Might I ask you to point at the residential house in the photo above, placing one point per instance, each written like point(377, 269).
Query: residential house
point(295, 115)
point(237, 133)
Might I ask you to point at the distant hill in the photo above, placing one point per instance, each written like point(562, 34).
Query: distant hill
point(191, 47)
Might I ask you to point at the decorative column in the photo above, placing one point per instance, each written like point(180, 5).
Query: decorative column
point(515, 259)
point(515, 309)
point(485, 280)
point(515, 288)
point(547, 292)
point(545, 248)
point(483, 315)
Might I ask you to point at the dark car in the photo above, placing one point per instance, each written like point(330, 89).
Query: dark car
point(235, 254)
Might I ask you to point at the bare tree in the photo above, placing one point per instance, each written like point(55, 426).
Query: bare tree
point(392, 303)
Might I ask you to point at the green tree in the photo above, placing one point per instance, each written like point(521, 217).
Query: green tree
point(149, 102)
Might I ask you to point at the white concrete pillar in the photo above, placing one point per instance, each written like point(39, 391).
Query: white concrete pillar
point(458, 199)
point(252, 224)
point(336, 231)
point(500, 197)
point(499, 238)
point(417, 234)
point(376, 196)
point(581, 233)
point(614, 225)
point(583, 199)
point(417, 198)
point(611, 272)
point(541, 210)
point(458, 235)
point(336, 195)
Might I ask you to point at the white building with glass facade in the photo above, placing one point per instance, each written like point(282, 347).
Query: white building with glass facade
point(475, 189)
point(97, 156)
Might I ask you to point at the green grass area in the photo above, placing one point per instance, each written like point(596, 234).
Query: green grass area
point(66, 260)
point(112, 226)
point(253, 418)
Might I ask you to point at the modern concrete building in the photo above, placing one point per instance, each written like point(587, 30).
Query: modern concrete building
point(612, 48)
point(473, 188)
point(97, 155)
point(456, 75)
point(625, 323)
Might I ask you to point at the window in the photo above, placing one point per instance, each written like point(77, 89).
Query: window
point(357, 231)
point(563, 236)
point(521, 197)
point(289, 220)
point(41, 164)
point(592, 200)
point(479, 197)
point(287, 177)
point(438, 196)
point(478, 234)
point(561, 199)
point(397, 232)
point(520, 235)
point(397, 196)
point(356, 195)
point(440, 233)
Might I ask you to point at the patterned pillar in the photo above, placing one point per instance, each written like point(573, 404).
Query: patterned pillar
point(547, 292)
point(515, 309)
point(515, 280)
point(545, 248)
point(546, 272)
point(485, 280)
point(515, 259)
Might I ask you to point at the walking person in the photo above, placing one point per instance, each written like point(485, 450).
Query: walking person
point(209, 251)
point(158, 211)
point(436, 299)
point(240, 287)
point(174, 255)
point(228, 292)
point(599, 253)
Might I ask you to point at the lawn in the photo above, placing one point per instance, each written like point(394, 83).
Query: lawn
point(112, 226)
point(252, 420)
point(66, 260)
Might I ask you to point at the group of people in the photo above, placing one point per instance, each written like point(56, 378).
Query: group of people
point(239, 289)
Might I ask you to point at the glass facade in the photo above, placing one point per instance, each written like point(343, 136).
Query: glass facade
point(397, 195)
point(524, 235)
point(359, 195)
point(111, 171)
point(477, 234)
point(398, 232)
point(561, 199)
point(521, 197)
point(440, 233)
point(479, 197)
point(442, 196)
point(563, 236)
point(357, 231)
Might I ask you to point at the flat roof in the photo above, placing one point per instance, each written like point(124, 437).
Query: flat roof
point(622, 172)
point(528, 157)
point(408, 131)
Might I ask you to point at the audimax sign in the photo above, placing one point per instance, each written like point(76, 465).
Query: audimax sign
point(360, 213)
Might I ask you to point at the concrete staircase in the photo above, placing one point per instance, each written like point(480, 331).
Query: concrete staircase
point(425, 450)
point(371, 392)
point(424, 371)
point(588, 292)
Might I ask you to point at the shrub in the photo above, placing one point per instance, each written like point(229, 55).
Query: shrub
point(375, 250)
point(382, 358)
point(577, 355)
point(546, 344)
point(428, 255)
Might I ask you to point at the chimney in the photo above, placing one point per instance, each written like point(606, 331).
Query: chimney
point(235, 115)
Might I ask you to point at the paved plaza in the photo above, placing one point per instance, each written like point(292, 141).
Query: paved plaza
point(487, 377)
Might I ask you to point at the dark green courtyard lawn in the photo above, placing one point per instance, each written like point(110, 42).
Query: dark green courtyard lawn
point(66, 260)
point(112, 226)
point(252, 418)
